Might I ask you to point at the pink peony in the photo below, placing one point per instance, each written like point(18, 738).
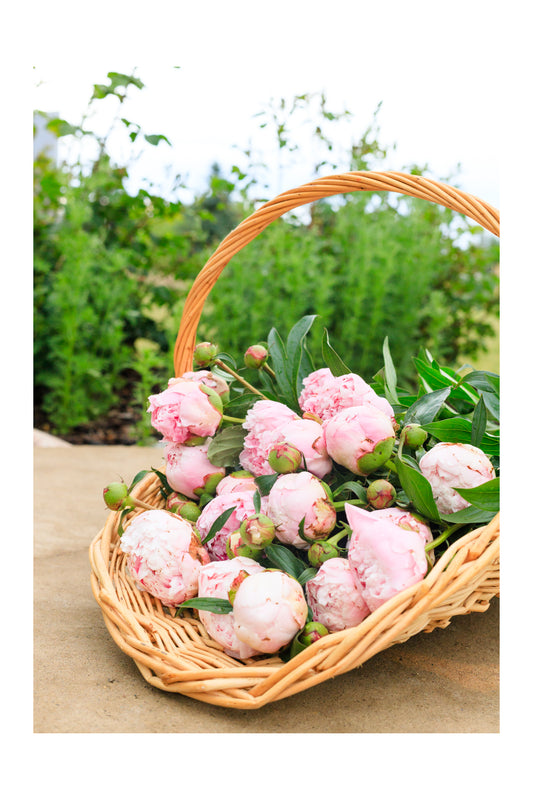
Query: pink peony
point(188, 469)
point(262, 419)
point(208, 379)
point(450, 466)
point(269, 429)
point(385, 558)
point(333, 596)
point(360, 438)
point(297, 496)
point(244, 508)
point(407, 521)
point(164, 555)
point(184, 411)
point(269, 609)
point(215, 580)
point(325, 395)
point(241, 481)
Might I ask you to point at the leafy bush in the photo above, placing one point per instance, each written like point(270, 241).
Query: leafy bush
point(112, 268)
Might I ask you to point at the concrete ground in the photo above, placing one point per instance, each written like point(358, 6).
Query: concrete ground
point(443, 682)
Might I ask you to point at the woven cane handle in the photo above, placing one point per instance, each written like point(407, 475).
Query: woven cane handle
point(411, 185)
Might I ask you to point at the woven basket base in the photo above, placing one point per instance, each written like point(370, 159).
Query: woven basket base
point(176, 654)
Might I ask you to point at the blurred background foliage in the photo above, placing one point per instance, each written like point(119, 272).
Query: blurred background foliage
point(112, 268)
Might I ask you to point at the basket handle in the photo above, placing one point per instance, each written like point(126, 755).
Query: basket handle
point(411, 185)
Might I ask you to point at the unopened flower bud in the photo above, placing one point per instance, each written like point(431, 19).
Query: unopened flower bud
point(114, 495)
point(319, 552)
point(204, 354)
point(312, 632)
point(236, 547)
point(381, 494)
point(181, 505)
point(212, 483)
point(257, 531)
point(255, 356)
point(285, 458)
point(414, 435)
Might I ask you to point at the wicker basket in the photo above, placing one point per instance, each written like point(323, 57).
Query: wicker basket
point(176, 654)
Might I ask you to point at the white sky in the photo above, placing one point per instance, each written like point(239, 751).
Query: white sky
point(435, 71)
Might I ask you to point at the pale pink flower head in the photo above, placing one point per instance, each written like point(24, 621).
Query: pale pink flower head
point(215, 580)
point(406, 520)
point(308, 436)
point(385, 558)
point(188, 469)
point(334, 598)
point(324, 395)
point(183, 412)
point(449, 466)
point(242, 502)
point(269, 609)
point(360, 438)
point(261, 421)
point(164, 555)
point(297, 496)
point(240, 481)
point(209, 379)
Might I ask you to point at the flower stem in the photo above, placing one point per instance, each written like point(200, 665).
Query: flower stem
point(339, 504)
point(139, 503)
point(269, 369)
point(442, 538)
point(232, 419)
point(239, 378)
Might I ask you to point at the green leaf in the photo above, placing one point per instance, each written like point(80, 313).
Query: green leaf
point(486, 496)
point(257, 502)
point(278, 354)
point(265, 483)
point(283, 558)
point(295, 348)
point(417, 489)
point(469, 516)
point(140, 475)
point(218, 524)
point(216, 605)
point(307, 575)
point(479, 423)
point(426, 408)
point(225, 447)
point(155, 138)
point(459, 429)
point(351, 486)
point(332, 359)
point(483, 381)
point(390, 374)
point(162, 477)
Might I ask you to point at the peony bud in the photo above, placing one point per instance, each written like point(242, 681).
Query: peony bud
point(115, 495)
point(414, 436)
point(381, 494)
point(257, 531)
point(255, 356)
point(319, 552)
point(312, 632)
point(204, 353)
point(284, 458)
point(236, 547)
point(182, 506)
point(360, 438)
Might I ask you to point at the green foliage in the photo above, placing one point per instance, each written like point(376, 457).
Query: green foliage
point(112, 268)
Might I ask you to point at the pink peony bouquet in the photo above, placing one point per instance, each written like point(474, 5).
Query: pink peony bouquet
point(299, 499)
